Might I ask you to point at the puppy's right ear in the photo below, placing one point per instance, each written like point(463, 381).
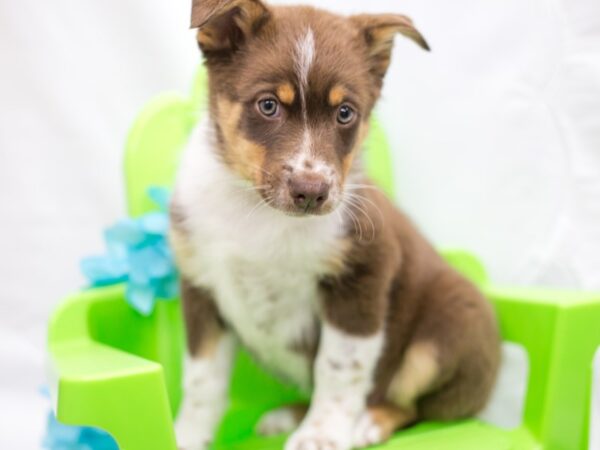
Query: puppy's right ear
point(224, 25)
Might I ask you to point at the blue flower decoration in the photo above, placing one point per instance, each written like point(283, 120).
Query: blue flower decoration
point(64, 437)
point(67, 437)
point(138, 255)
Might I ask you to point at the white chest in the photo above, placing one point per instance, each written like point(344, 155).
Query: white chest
point(270, 305)
point(262, 266)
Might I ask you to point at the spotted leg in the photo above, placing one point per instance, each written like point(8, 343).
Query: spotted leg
point(343, 378)
point(207, 370)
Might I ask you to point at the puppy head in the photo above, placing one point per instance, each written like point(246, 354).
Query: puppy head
point(291, 91)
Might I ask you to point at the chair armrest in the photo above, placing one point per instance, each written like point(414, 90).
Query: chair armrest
point(560, 331)
point(100, 386)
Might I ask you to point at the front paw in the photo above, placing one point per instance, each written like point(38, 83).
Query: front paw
point(317, 442)
point(281, 420)
point(190, 436)
point(319, 437)
point(368, 431)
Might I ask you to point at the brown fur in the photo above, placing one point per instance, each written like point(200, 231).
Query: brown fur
point(442, 348)
point(390, 417)
point(396, 280)
point(203, 323)
point(244, 156)
point(298, 411)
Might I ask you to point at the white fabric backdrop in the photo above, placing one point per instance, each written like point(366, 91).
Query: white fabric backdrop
point(496, 136)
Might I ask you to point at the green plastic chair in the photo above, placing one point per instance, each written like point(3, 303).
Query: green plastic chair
point(113, 369)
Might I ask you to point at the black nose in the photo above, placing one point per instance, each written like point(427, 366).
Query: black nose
point(308, 191)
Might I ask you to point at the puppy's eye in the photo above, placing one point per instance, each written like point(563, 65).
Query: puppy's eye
point(268, 107)
point(345, 114)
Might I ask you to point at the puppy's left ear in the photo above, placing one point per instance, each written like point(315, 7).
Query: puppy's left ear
point(224, 25)
point(379, 30)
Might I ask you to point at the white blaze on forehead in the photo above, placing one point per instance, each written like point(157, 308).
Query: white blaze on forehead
point(304, 154)
point(305, 55)
point(305, 151)
point(305, 160)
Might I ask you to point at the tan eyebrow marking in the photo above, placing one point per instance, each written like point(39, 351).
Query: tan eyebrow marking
point(286, 93)
point(337, 95)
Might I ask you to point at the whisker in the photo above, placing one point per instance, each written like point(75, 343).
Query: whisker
point(362, 185)
point(339, 217)
point(254, 188)
point(355, 221)
point(263, 202)
point(258, 204)
point(361, 210)
point(362, 198)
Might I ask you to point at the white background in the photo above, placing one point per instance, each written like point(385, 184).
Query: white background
point(496, 136)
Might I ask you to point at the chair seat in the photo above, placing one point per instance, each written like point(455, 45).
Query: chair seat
point(467, 435)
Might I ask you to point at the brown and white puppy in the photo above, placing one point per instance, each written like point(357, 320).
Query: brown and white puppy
point(285, 247)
